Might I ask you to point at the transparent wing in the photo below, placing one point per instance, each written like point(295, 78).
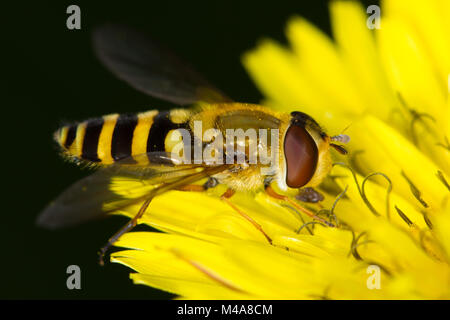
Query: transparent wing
point(119, 186)
point(149, 67)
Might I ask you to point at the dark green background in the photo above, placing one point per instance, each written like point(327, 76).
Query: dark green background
point(51, 75)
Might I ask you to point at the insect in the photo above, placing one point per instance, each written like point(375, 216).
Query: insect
point(141, 146)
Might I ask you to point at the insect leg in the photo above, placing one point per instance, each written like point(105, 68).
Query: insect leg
point(211, 183)
point(130, 225)
point(192, 187)
point(309, 195)
point(275, 195)
point(226, 197)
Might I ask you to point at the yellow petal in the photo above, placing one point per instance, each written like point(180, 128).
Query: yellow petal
point(273, 69)
point(390, 153)
point(409, 70)
point(189, 289)
point(357, 47)
point(429, 21)
point(325, 71)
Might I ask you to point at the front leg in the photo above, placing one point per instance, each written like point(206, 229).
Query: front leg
point(226, 198)
point(304, 210)
point(310, 195)
point(211, 183)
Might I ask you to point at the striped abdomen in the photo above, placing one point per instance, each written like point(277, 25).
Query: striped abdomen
point(115, 137)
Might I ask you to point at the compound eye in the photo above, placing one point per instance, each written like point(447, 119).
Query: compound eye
point(301, 156)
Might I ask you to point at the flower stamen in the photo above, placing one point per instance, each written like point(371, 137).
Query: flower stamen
point(404, 217)
point(299, 215)
point(388, 191)
point(445, 145)
point(307, 224)
point(427, 220)
point(415, 191)
point(441, 177)
point(362, 192)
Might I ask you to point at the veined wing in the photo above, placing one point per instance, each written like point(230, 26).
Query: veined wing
point(119, 186)
point(149, 67)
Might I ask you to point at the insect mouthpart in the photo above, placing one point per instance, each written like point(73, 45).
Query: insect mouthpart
point(342, 138)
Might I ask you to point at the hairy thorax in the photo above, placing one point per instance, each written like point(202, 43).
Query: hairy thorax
point(243, 178)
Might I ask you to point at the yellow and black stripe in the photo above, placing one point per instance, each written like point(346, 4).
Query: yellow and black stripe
point(115, 137)
point(122, 138)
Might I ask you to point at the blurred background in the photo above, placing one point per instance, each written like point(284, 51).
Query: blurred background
point(51, 76)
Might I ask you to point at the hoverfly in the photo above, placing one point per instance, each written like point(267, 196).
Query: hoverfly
point(138, 145)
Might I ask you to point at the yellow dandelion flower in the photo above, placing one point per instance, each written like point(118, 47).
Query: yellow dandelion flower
point(389, 88)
